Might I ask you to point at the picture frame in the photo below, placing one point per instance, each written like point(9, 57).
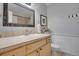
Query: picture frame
point(43, 20)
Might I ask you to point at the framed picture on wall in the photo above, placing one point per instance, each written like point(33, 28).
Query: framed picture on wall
point(43, 20)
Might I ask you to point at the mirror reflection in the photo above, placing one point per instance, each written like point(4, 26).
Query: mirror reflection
point(20, 14)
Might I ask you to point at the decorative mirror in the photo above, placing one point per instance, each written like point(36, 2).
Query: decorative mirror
point(16, 14)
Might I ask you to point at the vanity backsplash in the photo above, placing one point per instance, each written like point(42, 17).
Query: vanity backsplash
point(16, 33)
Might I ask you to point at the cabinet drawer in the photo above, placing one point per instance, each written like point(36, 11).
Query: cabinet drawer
point(35, 45)
point(15, 52)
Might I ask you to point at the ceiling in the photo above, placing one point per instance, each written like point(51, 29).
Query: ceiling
point(53, 4)
point(48, 4)
point(59, 4)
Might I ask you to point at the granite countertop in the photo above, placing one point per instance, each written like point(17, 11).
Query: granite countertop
point(9, 41)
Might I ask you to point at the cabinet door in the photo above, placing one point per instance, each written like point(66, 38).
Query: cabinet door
point(15, 52)
point(35, 45)
point(21, 51)
point(45, 50)
point(34, 53)
point(8, 54)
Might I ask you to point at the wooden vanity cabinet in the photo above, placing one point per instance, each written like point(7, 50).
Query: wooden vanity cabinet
point(40, 47)
point(42, 51)
point(35, 45)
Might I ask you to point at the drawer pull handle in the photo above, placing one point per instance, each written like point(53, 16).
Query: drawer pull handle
point(40, 48)
point(13, 55)
point(37, 51)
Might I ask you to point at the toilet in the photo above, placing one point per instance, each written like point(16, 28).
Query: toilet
point(56, 50)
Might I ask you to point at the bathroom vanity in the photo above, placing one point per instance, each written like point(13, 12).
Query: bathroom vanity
point(23, 45)
point(26, 45)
